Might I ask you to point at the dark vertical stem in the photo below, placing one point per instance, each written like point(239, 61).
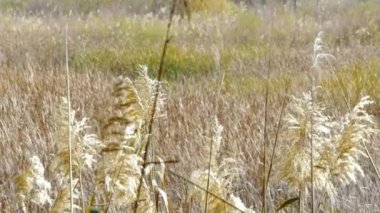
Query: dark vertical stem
point(157, 90)
point(69, 120)
point(312, 148)
point(276, 137)
point(264, 188)
point(208, 176)
point(265, 143)
point(300, 201)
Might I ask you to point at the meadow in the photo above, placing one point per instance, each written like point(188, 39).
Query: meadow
point(259, 108)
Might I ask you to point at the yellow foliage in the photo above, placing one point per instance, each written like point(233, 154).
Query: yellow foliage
point(212, 6)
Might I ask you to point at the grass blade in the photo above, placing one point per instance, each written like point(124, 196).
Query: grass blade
point(70, 130)
point(287, 203)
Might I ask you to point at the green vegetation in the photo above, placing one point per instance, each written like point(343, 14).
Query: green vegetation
point(354, 81)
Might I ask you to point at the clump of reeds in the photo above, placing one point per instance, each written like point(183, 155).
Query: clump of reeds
point(124, 136)
point(123, 139)
point(31, 185)
point(62, 200)
point(218, 180)
point(295, 164)
point(340, 156)
point(336, 146)
point(146, 88)
point(119, 171)
point(220, 186)
point(85, 146)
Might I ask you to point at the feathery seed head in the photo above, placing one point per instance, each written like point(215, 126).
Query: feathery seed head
point(295, 164)
point(216, 141)
point(31, 184)
point(336, 146)
point(321, 54)
point(218, 186)
point(62, 201)
point(120, 169)
point(85, 146)
point(126, 113)
point(220, 179)
point(340, 160)
point(147, 89)
point(124, 136)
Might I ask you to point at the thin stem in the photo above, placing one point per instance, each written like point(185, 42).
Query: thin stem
point(81, 191)
point(312, 148)
point(110, 194)
point(69, 118)
point(279, 123)
point(300, 201)
point(340, 83)
point(159, 162)
point(157, 90)
point(371, 160)
point(217, 67)
point(208, 175)
point(203, 189)
point(265, 142)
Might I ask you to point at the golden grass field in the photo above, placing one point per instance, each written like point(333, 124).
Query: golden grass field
point(244, 90)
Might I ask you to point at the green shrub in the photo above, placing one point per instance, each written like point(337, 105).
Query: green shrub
point(178, 62)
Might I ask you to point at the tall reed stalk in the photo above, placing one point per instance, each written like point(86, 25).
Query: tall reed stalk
point(156, 96)
point(69, 121)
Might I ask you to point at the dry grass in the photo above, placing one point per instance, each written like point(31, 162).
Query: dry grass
point(32, 111)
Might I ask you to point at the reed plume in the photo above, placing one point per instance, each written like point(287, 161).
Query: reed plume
point(124, 136)
point(295, 164)
point(219, 178)
point(337, 146)
point(31, 184)
point(146, 88)
point(62, 201)
point(339, 164)
point(119, 170)
point(85, 146)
